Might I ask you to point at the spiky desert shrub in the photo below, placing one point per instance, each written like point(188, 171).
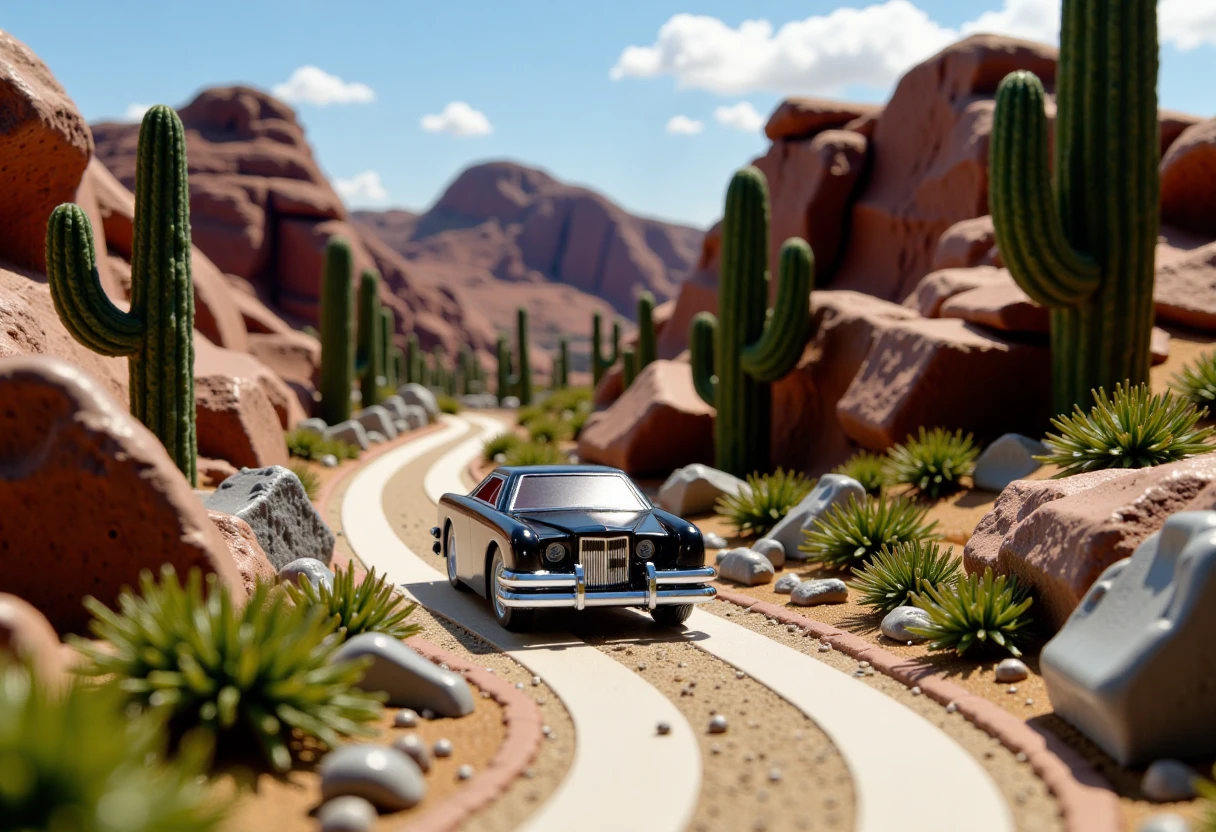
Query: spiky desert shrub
point(981, 612)
point(72, 760)
point(534, 453)
point(1134, 428)
point(527, 414)
point(868, 469)
point(308, 444)
point(1197, 380)
point(933, 462)
point(577, 421)
point(768, 499)
point(894, 573)
point(570, 398)
point(1207, 790)
point(246, 675)
point(308, 478)
point(854, 532)
point(499, 443)
point(367, 606)
point(547, 429)
point(447, 404)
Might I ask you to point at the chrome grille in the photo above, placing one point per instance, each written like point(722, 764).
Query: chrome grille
point(605, 560)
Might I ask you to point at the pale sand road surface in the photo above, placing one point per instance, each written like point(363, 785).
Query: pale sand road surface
point(610, 740)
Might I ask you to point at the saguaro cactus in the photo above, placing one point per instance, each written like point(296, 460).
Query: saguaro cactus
point(629, 367)
point(600, 362)
point(415, 365)
point(647, 350)
point(523, 383)
point(1084, 246)
point(561, 364)
point(735, 358)
point(386, 331)
point(504, 368)
point(157, 335)
point(369, 359)
point(337, 342)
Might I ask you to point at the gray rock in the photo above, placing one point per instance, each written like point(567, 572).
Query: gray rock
point(376, 437)
point(385, 777)
point(401, 425)
point(376, 419)
point(696, 488)
point(307, 569)
point(272, 501)
point(410, 680)
point(415, 417)
point(717, 724)
point(771, 549)
point(713, 541)
point(895, 624)
point(349, 431)
point(396, 406)
point(420, 396)
point(509, 403)
point(1166, 781)
point(443, 747)
point(464, 772)
point(329, 460)
point(1144, 627)
point(313, 425)
point(413, 746)
point(406, 718)
point(745, 567)
point(347, 814)
point(822, 591)
point(1011, 670)
point(830, 490)
point(786, 583)
point(1164, 822)
point(1009, 458)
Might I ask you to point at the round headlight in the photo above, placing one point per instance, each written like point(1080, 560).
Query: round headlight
point(645, 549)
point(555, 552)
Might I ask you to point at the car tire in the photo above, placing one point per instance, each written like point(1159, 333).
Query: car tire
point(449, 555)
point(514, 619)
point(671, 615)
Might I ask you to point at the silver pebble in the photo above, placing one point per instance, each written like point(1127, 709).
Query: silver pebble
point(464, 772)
point(443, 747)
point(535, 681)
point(951, 708)
point(739, 674)
point(663, 728)
point(405, 718)
point(774, 775)
point(347, 814)
point(717, 725)
point(546, 730)
point(916, 690)
point(519, 685)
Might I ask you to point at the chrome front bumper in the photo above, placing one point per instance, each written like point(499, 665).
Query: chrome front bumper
point(535, 590)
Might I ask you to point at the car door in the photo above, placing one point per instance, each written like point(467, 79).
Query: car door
point(470, 565)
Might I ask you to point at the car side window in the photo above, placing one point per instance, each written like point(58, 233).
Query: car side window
point(489, 491)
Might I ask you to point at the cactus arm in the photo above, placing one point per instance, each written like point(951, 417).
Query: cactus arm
point(1029, 230)
point(788, 328)
point(76, 291)
point(701, 346)
point(629, 369)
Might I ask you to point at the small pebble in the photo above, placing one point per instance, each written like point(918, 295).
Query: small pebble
point(663, 728)
point(444, 666)
point(715, 749)
point(863, 664)
point(347, 814)
point(464, 772)
point(412, 745)
point(519, 685)
point(546, 730)
point(641, 666)
point(1029, 702)
point(825, 648)
point(406, 718)
point(951, 708)
point(529, 773)
point(1164, 822)
point(1168, 780)
point(916, 691)
point(443, 747)
point(1012, 689)
point(1020, 756)
point(774, 775)
point(739, 674)
point(1011, 670)
point(717, 725)
point(682, 664)
point(427, 713)
point(535, 681)
point(540, 700)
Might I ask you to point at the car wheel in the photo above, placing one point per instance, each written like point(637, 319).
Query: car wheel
point(450, 557)
point(509, 618)
point(671, 615)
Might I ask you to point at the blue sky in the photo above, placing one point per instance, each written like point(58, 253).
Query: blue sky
point(585, 90)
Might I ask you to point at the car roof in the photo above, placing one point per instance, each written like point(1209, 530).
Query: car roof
point(512, 470)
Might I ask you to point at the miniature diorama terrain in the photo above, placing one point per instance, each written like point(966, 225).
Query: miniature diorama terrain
point(888, 502)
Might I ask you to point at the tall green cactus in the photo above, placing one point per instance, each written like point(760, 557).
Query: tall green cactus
point(504, 368)
point(337, 342)
point(647, 351)
point(629, 367)
point(600, 362)
point(415, 365)
point(369, 358)
point(737, 357)
point(1084, 245)
point(523, 382)
point(387, 330)
point(561, 364)
point(400, 371)
point(157, 334)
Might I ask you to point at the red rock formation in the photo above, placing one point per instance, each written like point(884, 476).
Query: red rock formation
point(798, 118)
point(1188, 180)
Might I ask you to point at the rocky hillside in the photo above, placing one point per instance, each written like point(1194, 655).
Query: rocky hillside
point(503, 235)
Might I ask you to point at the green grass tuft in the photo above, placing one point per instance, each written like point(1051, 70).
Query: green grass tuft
point(535, 453)
point(245, 673)
point(1207, 790)
point(986, 613)
point(308, 478)
point(769, 498)
point(548, 429)
point(868, 469)
point(447, 404)
point(499, 443)
point(934, 462)
point(1132, 429)
point(306, 444)
point(368, 606)
point(1197, 380)
point(894, 573)
point(854, 532)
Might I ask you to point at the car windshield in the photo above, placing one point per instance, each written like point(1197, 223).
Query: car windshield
point(607, 492)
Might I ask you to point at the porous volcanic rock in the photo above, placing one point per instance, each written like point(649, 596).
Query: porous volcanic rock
point(1188, 180)
point(912, 375)
point(657, 425)
point(247, 553)
point(45, 145)
point(800, 117)
point(65, 445)
point(1058, 535)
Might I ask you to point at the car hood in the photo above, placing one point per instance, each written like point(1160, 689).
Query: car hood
point(548, 523)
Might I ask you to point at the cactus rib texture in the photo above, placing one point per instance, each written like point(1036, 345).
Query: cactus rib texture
point(369, 356)
point(737, 356)
point(1084, 244)
point(157, 335)
point(337, 343)
point(647, 350)
point(601, 361)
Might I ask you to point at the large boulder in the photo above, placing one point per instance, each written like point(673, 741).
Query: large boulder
point(911, 378)
point(246, 552)
point(237, 420)
point(45, 144)
point(696, 489)
point(941, 285)
point(965, 244)
point(294, 357)
point(1059, 535)
point(1185, 288)
point(1188, 180)
point(831, 490)
point(66, 446)
point(699, 293)
point(210, 360)
point(658, 424)
point(1002, 306)
point(800, 117)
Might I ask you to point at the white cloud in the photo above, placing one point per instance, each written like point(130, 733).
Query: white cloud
point(684, 126)
point(458, 119)
point(312, 85)
point(362, 188)
point(135, 112)
point(741, 116)
point(870, 46)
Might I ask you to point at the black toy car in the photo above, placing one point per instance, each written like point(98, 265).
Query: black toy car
point(570, 536)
